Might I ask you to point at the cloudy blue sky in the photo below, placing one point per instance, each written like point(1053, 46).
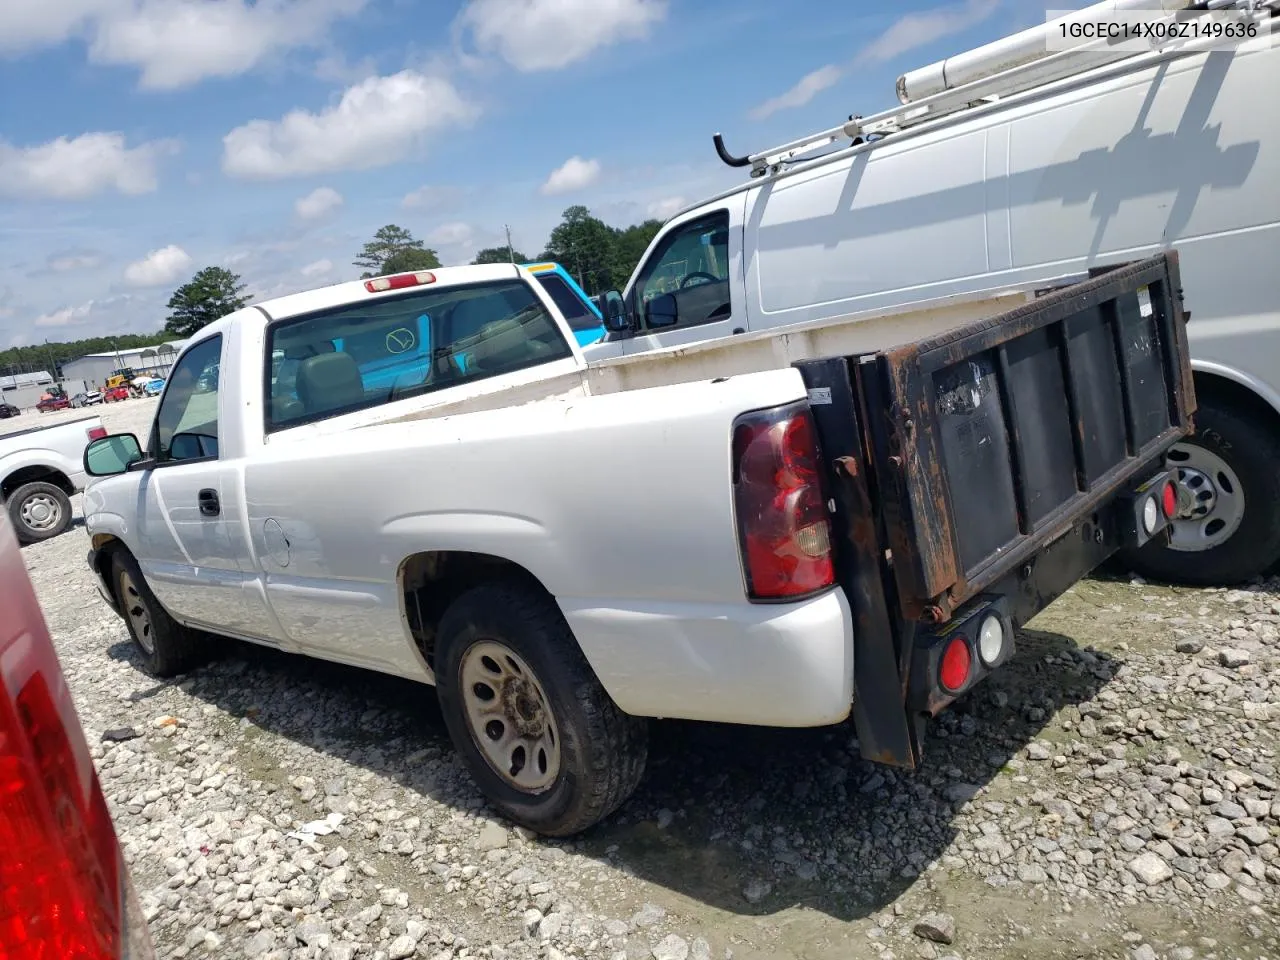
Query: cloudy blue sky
point(143, 139)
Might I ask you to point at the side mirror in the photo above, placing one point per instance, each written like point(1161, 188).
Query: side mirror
point(662, 311)
point(614, 312)
point(111, 455)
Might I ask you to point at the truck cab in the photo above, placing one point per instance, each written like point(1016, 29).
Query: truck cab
point(584, 317)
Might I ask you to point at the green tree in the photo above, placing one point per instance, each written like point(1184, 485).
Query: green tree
point(409, 260)
point(584, 245)
point(629, 246)
point(499, 255)
point(212, 293)
point(386, 243)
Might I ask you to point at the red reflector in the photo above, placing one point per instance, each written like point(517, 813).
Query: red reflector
point(780, 505)
point(1169, 499)
point(96, 433)
point(399, 281)
point(956, 661)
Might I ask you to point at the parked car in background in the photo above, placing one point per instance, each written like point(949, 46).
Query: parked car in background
point(53, 403)
point(92, 398)
point(112, 394)
point(40, 469)
point(8, 410)
point(153, 388)
point(65, 890)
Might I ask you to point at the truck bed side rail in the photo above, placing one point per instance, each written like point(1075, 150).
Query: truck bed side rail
point(995, 439)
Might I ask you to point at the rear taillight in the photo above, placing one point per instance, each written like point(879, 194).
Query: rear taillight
point(64, 889)
point(1169, 499)
point(96, 433)
point(781, 506)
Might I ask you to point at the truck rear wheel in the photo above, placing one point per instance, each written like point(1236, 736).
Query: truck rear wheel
point(39, 511)
point(1227, 529)
point(167, 647)
point(544, 741)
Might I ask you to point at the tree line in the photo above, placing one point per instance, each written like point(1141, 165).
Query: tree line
point(600, 256)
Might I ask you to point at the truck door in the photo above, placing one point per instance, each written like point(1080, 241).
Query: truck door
point(185, 543)
point(690, 287)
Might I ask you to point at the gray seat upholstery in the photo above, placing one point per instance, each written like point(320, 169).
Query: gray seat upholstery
point(329, 381)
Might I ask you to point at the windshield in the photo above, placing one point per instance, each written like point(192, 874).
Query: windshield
point(366, 354)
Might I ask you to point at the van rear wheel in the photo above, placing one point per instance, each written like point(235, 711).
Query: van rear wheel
point(1227, 529)
point(543, 740)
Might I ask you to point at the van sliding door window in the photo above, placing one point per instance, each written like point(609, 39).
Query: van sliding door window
point(692, 265)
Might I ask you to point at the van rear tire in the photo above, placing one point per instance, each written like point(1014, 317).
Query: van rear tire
point(1233, 463)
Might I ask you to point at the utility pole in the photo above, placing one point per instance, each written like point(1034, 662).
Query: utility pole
point(53, 364)
point(510, 250)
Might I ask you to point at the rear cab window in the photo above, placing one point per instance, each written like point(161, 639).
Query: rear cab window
point(363, 355)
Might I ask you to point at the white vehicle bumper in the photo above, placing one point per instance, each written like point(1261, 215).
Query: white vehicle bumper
point(780, 665)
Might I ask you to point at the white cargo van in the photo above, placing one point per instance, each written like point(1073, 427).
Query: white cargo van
point(1025, 178)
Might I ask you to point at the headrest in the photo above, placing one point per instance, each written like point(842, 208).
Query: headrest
point(329, 381)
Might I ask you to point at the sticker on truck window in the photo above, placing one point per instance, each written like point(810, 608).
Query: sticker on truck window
point(1144, 302)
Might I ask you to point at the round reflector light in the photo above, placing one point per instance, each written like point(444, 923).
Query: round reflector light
point(1150, 514)
point(990, 639)
point(1170, 499)
point(955, 665)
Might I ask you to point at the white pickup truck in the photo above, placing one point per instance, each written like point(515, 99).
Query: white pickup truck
point(40, 469)
point(418, 474)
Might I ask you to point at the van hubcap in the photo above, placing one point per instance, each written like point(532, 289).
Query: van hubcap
point(135, 608)
point(509, 716)
point(1210, 498)
point(41, 512)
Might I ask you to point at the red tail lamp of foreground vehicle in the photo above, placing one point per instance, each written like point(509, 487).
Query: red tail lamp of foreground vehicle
point(65, 892)
point(781, 507)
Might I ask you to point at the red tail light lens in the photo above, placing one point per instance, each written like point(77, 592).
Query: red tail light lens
point(953, 674)
point(781, 506)
point(399, 281)
point(1169, 500)
point(64, 890)
point(96, 433)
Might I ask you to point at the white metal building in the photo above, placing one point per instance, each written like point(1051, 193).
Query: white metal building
point(40, 378)
point(96, 367)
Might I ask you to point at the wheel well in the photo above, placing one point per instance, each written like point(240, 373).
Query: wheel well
point(1222, 392)
point(31, 474)
point(432, 580)
point(106, 545)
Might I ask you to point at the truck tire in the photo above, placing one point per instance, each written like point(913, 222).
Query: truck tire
point(1228, 525)
point(166, 646)
point(553, 753)
point(39, 511)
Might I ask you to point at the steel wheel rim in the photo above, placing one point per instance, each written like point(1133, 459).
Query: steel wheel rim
point(41, 511)
point(509, 716)
point(135, 609)
point(1210, 499)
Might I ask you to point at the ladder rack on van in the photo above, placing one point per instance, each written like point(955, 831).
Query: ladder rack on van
point(1001, 69)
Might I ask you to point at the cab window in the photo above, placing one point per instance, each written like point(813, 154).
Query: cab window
point(337, 361)
point(692, 265)
point(580, 316)
point(187, 420)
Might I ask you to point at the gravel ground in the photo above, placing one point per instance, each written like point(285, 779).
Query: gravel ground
point(1112, 793)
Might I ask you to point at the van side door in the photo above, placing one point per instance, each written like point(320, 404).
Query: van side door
point(690, 287)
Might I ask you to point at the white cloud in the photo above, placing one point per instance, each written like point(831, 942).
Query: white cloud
point(668, 206)
point(923, 27)
point(74, 169)
point(574, 174)
point(550, 34)
point(26, 25)
point(319, 203)
point(451, 235)
point(378, 121)
point(431, 198)
point(66, 317)
point(176, 43)
point(318, 269)
point(810, 85)
point(159, 267)
point(70, 260)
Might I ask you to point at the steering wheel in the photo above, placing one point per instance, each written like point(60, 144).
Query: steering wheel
point(708, 277)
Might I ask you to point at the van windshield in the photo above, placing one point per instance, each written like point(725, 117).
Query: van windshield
point(362, 355)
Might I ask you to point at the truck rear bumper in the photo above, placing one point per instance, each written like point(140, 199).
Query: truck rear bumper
point(780, 665)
